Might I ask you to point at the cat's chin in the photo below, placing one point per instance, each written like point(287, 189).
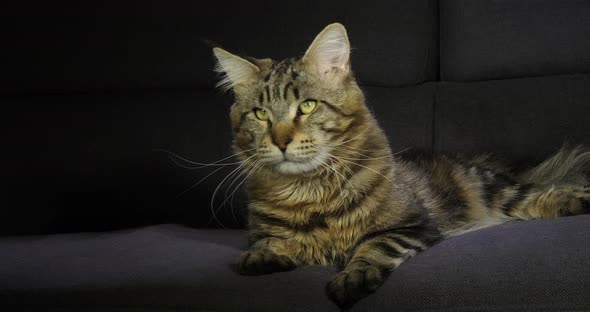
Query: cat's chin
point(288, 167)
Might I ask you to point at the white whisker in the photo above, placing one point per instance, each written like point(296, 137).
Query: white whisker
point(355, 163)
point(247, 170)
point(399, 152)
point(356, 137)
point(195, 185)
point(217, 189)
point(253, 168)
point(202, 165)
point(338, 175)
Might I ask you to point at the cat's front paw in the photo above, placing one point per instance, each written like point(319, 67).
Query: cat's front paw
point(255, 262)
point(351, 285)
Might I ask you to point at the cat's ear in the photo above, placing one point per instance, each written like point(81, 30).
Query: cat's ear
point(235, 70)
point(329, 53)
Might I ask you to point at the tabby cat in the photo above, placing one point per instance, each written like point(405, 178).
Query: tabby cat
point(324, 187)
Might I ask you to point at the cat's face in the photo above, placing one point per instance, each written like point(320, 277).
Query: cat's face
point(293, 115)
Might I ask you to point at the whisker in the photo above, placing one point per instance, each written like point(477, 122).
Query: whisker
point(366, 157)
point(348, 150)
point(356, 137)
point(344, 166)
point(235, 179)
point(202, 165)
point(353, 148)
point(217, 189)
point(253, 168)
point(238, 175)
point(377, 172)
point(371, 158)
point(199, 167)
point(195, 185)
point(334, 158)
point(345, 148)
point(338, 175)
point(399, 152)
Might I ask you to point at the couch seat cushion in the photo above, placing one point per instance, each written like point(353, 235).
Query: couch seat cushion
point(536, 265)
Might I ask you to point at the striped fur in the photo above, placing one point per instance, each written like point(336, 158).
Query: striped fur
point(338, 196)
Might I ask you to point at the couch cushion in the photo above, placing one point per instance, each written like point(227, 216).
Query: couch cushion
point(70, 45)
point(522, 119)
point(404, 113)
point(499, 39)
point(523, 266)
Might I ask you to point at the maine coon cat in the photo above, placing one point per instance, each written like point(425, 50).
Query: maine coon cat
point(325, 188)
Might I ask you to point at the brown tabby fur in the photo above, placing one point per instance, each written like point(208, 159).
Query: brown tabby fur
point(364, 208)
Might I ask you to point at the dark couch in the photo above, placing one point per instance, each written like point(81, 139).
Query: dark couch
point(95, 215)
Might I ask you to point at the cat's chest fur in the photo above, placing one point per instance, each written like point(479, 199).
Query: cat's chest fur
point(308, 216)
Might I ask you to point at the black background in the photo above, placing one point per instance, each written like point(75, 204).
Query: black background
point(89, 90)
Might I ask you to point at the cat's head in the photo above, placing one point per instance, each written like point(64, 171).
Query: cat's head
point(292, 115)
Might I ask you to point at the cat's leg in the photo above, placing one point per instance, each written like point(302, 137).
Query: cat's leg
point(371, 263)
point(552, 203)
point(265, 256)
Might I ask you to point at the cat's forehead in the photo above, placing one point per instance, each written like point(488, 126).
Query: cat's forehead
point(279, 85)
point(279, 71)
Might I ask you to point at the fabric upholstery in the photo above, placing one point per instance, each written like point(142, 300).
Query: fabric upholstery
point(75, 46)
point(91, 92)
point(503, 39)
point(525, 266)
point(521, 120)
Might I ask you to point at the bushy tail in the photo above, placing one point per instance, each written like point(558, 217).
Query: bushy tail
point(569, 166)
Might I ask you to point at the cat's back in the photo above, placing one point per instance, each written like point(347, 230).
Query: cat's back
point(458, 192)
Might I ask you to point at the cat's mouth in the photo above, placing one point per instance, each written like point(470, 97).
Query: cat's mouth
point(292, 164)
point(295, 159)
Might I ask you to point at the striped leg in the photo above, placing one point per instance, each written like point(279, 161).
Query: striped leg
point(372, 261)
point(266, 256)
point(553, 203)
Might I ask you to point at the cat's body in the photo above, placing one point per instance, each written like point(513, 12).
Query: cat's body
point(325, 188)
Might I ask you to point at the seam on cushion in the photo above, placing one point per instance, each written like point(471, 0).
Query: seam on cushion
point(139, 308)
point(581, 73)
point(523, 307)
point(440, 43)
point(433, 116)
point(434, 44)
point(436, 31)
point(139, 91)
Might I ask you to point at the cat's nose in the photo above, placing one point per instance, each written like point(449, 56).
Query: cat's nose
point(282, 142)
point(282, 135)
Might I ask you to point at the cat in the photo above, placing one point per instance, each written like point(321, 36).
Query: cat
point(325, 188)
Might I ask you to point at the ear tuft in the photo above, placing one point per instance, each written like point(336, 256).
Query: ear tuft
point(235, 70)
point(330, 50)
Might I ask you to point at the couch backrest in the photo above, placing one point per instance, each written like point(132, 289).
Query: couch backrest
point(90, 90)
point(484, 40)
point(515, 77)
point(75, 46)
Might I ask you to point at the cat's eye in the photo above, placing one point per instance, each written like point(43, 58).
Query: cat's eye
point(261, 114)
point(307, 107)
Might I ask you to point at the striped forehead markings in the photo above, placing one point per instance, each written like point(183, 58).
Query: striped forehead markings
point(278, 81)
point(296, 93)
point(266, 94)
point(276, 91)
point(286, 90)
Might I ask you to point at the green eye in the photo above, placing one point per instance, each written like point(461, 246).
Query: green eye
point(307, 107)
point(261, 114)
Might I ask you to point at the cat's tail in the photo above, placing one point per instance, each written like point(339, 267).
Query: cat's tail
point(569, 166)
